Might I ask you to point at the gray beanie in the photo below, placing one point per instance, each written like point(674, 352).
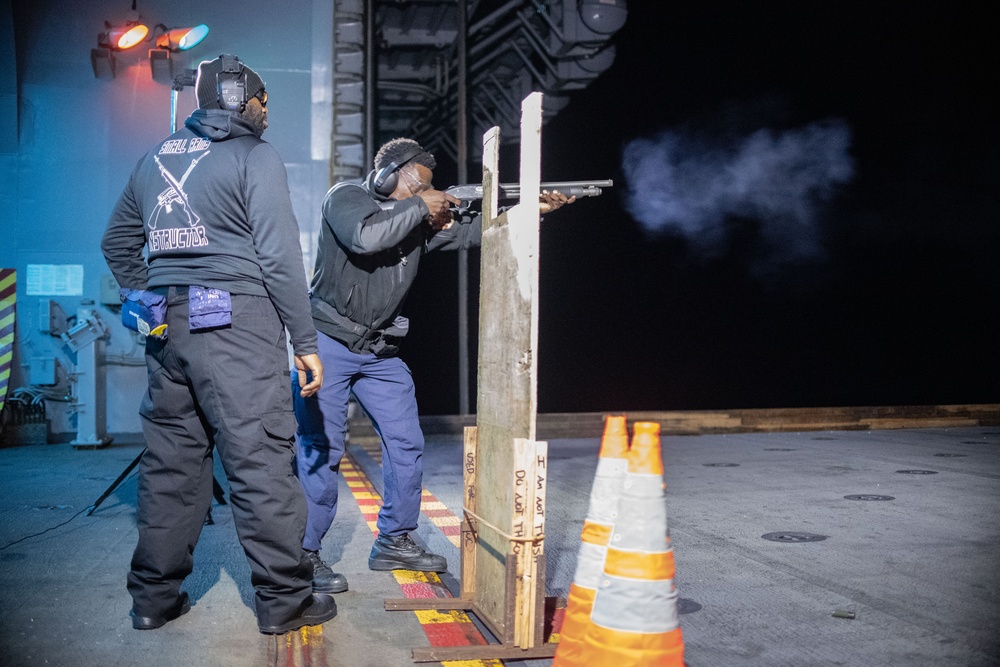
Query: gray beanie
point(208, 87)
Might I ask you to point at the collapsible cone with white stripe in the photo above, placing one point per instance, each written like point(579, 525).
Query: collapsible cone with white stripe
point(596, 535)
point(634, 621)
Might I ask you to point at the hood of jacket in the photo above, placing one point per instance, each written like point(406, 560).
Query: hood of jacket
point(219, 124)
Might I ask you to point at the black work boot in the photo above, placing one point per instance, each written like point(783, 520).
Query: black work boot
point(402, 553)
point(325, 580)
point(315, 609)
point(179, 608)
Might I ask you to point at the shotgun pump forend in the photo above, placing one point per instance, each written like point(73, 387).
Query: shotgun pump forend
point(513, 190)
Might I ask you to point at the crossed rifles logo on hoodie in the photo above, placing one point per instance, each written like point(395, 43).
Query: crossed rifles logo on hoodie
point(181, 223)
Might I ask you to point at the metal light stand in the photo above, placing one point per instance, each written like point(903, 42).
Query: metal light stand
point(180, 81)
point(217, 491)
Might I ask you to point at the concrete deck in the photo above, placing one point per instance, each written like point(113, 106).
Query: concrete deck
point(921, 572)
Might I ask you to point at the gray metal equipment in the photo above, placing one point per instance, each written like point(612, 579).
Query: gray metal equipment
point(88, 338)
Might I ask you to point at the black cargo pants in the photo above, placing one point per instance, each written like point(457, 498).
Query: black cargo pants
point(225, 388)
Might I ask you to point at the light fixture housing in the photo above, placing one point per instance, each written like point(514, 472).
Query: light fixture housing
point(122, 37)
point(181, 39)
point(115, 38)
point(161, 65)
point(603, 16)
point(133, 32)
point(103, 62)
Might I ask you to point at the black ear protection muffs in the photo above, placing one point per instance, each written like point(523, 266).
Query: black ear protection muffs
point(387, 177)
point(232, 84)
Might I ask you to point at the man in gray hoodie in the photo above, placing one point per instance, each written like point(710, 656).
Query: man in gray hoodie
point(221, 281)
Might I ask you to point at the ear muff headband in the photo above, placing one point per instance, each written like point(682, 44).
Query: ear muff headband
point(387, 177)
point(232, 84)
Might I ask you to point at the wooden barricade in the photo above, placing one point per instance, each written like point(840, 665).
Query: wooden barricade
point(503, 527)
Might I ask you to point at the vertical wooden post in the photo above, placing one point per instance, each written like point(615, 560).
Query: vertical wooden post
point(522, 529)
point(535, 621)
point(469, 524)
point(491, 177)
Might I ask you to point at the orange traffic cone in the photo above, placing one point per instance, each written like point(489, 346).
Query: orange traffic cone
point(596, 535)
point(634, 621)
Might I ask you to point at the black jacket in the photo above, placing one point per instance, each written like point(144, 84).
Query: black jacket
point(211, 206)
point(369, 251)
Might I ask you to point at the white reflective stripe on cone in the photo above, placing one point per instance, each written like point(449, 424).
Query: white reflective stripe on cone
point(606, 490)
point(615, 606)
point(589, 565)
point(646, 527)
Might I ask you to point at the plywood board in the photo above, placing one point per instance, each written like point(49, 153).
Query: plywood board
point(508, 340)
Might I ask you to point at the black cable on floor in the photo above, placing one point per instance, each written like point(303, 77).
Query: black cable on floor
point(28, 537)
point(58, 525)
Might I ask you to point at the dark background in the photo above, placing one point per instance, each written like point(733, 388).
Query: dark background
point(899, 310)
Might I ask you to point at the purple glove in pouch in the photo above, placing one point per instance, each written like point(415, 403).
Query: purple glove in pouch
point(143, 311)
point(209, 308)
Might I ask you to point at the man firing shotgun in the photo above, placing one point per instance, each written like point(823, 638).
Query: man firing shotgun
point(373, 236)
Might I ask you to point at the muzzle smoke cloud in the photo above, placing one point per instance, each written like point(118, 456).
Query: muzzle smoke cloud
point(678, 183)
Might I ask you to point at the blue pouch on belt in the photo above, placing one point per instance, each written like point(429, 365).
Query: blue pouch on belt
point(210, 308)
point(143, 311)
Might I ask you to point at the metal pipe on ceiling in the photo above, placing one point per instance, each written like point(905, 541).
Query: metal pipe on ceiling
point(462, 158)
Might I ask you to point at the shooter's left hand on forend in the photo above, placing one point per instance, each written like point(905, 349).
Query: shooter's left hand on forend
point(550, 201)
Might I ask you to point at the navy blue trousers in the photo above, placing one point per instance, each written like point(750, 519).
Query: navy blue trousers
point(222, 389)
point(384, 388)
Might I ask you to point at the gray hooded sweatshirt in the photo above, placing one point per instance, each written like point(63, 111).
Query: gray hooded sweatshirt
point(210, 206)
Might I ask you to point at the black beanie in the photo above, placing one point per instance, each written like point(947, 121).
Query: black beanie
point(208, 87)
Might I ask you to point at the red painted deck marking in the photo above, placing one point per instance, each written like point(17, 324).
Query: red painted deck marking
point(453, 628)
